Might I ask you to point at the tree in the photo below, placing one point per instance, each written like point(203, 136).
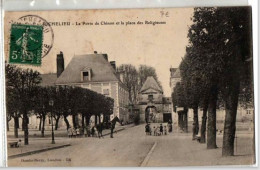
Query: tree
point(23, 84)
point(179, 99)
point(130, 79)
point(219, 40)
point(145, 71)
point(134, 79)
point(41, 106)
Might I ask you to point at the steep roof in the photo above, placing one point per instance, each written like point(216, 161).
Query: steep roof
point(177, 73)
point(101, 70)
point(48, 79)
point(151, 83)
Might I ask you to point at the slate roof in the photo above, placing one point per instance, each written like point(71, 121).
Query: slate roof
point(101, 70)
point(177, 73)
point(150, 83)
point(48, 79)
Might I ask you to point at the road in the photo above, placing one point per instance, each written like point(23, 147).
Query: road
point(131, 147)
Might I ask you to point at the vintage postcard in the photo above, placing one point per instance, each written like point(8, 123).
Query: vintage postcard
point(158, 87)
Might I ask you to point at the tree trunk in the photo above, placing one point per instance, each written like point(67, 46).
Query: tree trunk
point(83, 123)
point(211, 131)
point(95, 120)
point(74, 121)
point(7, 123)
point(40, 124)
point(195, 122)
point(43, 125)
point(87, 120)
point(16, 122)
point(185, 121)
point(57, 122)
point(25, 126)
point(231, 103)
point(67, 122)
point(203, 125)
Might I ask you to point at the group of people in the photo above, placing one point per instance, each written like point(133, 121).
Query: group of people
point(158, 130)
point(93, 131)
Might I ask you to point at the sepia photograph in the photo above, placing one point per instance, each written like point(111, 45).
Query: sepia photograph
point(158, 87)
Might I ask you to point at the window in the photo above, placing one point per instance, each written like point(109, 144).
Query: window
point(150, 97)
point(106, 92)
point(85, 76)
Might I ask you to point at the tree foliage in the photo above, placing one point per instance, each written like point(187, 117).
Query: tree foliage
point(25, 95)
point(215, 69)
point(134, 78)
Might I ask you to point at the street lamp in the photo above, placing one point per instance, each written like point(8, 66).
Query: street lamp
point(51, 102)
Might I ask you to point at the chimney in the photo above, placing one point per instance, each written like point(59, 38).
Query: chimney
point(113, 64)
point(105, 56)
point(95, 52)
point(60, 64)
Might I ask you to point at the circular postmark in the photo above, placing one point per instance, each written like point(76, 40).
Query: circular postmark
point(48, 36)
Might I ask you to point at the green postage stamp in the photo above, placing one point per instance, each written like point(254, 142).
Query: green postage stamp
point(26, 44)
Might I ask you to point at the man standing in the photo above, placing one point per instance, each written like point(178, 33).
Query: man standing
point(161, 129)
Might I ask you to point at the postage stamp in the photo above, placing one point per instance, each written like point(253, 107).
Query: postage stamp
point(48, 35)
point(26, 44)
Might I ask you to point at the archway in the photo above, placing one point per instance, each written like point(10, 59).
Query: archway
point(150, 114)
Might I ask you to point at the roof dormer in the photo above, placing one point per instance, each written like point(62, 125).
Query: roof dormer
point(86, 74)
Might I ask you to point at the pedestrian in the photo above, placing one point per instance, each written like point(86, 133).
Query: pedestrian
point(161, 129)
point(77, 132)
point(19, 143)
point(158, 131)
point(95, 131)
point(154, 131)
point(92, 131)
point(74, 133)
point(69, 132)
point(170, 126)
point(165, 130)
point(147, 129)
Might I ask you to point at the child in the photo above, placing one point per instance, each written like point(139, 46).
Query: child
point(19, 143)
point(161, 129)
point(158, 131)
point(165, 130)
point(147, 129)
point(74, 133)
point(78, 132)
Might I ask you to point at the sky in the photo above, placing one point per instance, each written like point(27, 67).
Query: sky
point(161, 46)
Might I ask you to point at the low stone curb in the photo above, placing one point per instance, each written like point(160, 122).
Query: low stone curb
point(37, 151)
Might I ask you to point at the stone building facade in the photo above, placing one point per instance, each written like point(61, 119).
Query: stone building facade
point(153, 106)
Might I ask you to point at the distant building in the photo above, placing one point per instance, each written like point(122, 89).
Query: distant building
point(153, 106)
point(95, 72)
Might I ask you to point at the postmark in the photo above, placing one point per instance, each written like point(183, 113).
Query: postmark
point(47, 34)
point(26, 44)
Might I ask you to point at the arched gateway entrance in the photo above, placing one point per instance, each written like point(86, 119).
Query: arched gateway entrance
point(150, 114)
